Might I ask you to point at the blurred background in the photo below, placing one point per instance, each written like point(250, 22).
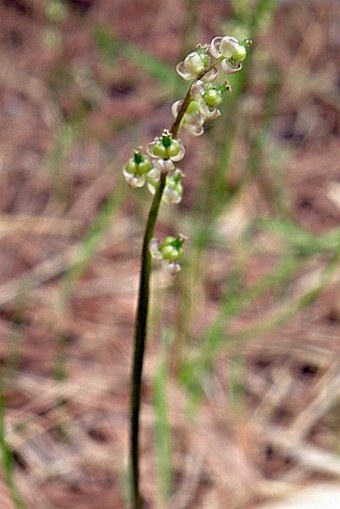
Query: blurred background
point(242, 377)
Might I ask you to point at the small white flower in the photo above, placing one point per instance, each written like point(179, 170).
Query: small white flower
point(169, 251)
point(223, 46)
point(154, 249)
point(136, 169)
point(198, 90)
point(173, 190)
point(230, 67)
point(193, 65)
point(133, 180)
point(171, 268)
point(192, 119)
point(230, 53)
point(163, 165)
point(165, 150)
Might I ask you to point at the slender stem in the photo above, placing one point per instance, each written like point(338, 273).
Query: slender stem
point(142, 316)
point(177, 122)
point(140, 337)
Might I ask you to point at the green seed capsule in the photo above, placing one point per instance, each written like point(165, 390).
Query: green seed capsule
point(174, 148)
point(240, 54)
point(131, 166)
point(138, 168)
point(212, 98)
point(169, 253)
point(145, 166)
point(160, 151)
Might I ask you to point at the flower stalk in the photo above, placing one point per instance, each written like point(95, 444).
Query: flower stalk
point(141, 323)
point(139, 343)
point(157, 170)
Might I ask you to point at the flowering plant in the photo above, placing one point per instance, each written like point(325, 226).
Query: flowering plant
point(207, 67)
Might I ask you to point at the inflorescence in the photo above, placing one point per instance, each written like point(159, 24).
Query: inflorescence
point(207, 67)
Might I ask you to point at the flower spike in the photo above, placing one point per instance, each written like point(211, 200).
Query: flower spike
point(194, 64)
point(136, 169)
point(169, 251)
point(223, 55)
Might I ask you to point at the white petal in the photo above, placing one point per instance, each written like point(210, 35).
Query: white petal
point(197, 89)
point(193, 63)
point(215, 47)
point(181, 152)
point(150, 146)
point(171, 196)
point(154, 174)
point(175, 108)
point(182, 71)
point(229, 68)
point(209, 113)
point(154, 249)
point(194, 118)
point(210, 76)
point(152, 179)
point(194, 129)
point(133, 180)
point(163, 165)
point(171, 268)
point(228, 46)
